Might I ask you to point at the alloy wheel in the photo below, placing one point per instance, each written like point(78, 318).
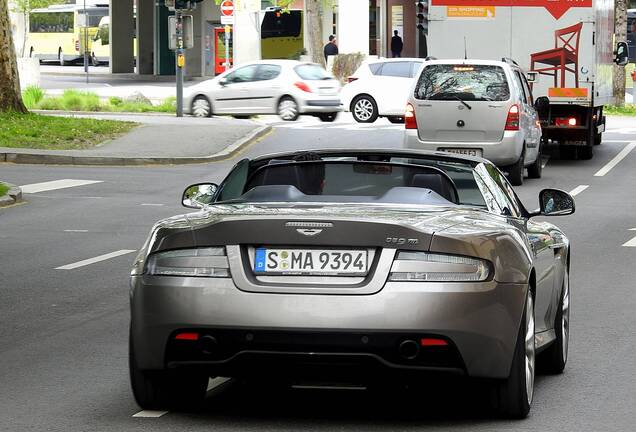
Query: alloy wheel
point(201, 107)
point(565, 318)
point(363, 109)
point(288, 110)
point(530, 349)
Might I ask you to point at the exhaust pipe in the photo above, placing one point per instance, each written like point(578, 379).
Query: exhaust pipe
point(208, 344)
point(409, 349)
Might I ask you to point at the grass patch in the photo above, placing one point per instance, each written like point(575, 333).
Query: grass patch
point(3, 189)
point(74, 100)
point(57, 133)
point(627, 110)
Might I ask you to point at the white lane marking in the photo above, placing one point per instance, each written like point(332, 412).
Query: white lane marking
point(152, 205)
point(216, 382)
point(76, 231)
point(615, 141)
point(56, 184)
point(619, 157)
point(150, 414)
point(95, 260)
point(577, 190)
point(632, 242)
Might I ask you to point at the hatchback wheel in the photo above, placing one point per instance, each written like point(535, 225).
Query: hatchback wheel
point(515, 172)
point(514, 395)
point(288, 109)
point(534, 170)
point(201, 107)
point(364, 109)
point(554, 358)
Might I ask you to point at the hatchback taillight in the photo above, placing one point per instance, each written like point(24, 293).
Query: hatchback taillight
point(410, 122)
point(303, 86)
point(512, 122)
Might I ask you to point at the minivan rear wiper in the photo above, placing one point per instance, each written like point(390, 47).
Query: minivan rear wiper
point(463, 102)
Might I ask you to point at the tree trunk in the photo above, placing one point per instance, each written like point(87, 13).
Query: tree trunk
point(620, 30)
point(10, 96)
point(314, 11)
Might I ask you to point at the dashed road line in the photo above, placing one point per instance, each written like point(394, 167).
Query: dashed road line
point(619, 157)
point(150, 414)
point(95, 259)
point(151, 205)
point(577, 190)
point(76, 231)
point(56, 184)
point(632, 242)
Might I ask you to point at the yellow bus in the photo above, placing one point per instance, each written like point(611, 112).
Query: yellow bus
point(281, 33)
point(56, 32)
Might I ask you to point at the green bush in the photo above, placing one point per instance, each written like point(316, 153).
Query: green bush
point(50, 103)
point(31, 96)
point(115, 101)
point(344, 65)
point(72, 100)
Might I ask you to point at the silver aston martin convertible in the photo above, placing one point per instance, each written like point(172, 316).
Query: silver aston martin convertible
point(352, 265)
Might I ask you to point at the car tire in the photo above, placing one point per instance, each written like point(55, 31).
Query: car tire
point(364, 109)
point(516, 171)
point(534, 170)
point(328, 117)
point(60, 57)
point(598, 139)
point(288, 109)
point(555, 357)
point(242, 117)
point(514, 394)
point(396, 119)
point(166, 389)
point(201, 107)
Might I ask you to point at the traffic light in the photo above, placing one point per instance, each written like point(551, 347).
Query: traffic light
point(421, 18)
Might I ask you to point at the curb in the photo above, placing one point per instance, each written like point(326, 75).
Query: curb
point(13, 196)
point(56, 159)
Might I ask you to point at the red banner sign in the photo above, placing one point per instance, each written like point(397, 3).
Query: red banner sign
point(556, 7)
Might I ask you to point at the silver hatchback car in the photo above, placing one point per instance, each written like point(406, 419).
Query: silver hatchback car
point(288, 88)
point(477, 108)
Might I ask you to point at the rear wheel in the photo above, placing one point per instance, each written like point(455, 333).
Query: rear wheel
point(166, 389)
point(554, 358)
point(514, 395)
point(288, 109)
point(201, 107)
point(515, 172)
point(328, 117)
point(364, 109)
point(534, 170)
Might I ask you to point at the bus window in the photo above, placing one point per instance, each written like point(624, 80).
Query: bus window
point(285, 24)
point(51, 22)
point(94, 17)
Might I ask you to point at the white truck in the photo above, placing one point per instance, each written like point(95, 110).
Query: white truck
point(567, 47)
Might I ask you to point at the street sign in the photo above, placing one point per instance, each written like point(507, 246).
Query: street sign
point(227, 20)
point(227, 8)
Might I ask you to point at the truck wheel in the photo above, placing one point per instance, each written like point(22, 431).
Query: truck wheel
point(534, 170)
point(515, 172)
point(586, 153)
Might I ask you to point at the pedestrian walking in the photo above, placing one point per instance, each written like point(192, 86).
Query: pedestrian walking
point(331, 48)
point(396, 44)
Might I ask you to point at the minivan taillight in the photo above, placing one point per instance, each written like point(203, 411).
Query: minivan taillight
point(351, 79)
point(410, 122)
point(512, 122)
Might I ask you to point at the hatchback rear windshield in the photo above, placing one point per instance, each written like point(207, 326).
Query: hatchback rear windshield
point(465, 82)
point(312, 72)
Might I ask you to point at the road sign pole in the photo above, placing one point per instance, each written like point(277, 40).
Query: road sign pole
point(180, 61)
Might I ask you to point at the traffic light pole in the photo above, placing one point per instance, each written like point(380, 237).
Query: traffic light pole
point(180, 61)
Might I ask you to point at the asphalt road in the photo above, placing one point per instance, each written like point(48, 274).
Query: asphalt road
point(63, 333)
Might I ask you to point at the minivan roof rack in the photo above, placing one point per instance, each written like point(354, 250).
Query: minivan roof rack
point(509, 61)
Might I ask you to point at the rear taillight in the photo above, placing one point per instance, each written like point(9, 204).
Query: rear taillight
point(303, 86)
point(351, 79)
point(77, 45)
point(565, 121)
point(410, 122)
point(512, 122)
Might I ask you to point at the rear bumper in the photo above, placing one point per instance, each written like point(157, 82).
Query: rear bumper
point(480, 321)
point(501, 153)
point(320, 105)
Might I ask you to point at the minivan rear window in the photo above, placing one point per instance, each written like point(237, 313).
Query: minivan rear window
point(465, 82)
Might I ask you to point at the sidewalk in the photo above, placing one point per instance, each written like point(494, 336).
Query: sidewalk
point(160, 139)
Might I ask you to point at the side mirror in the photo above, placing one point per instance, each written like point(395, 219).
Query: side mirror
point(555, 202)
point(621, 54)
point(223, 82)
point(199, 195)
point(542, 104)
point(532, 77)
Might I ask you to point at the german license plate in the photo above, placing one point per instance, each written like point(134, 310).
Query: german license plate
point(463, 151)
point(310, 261)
